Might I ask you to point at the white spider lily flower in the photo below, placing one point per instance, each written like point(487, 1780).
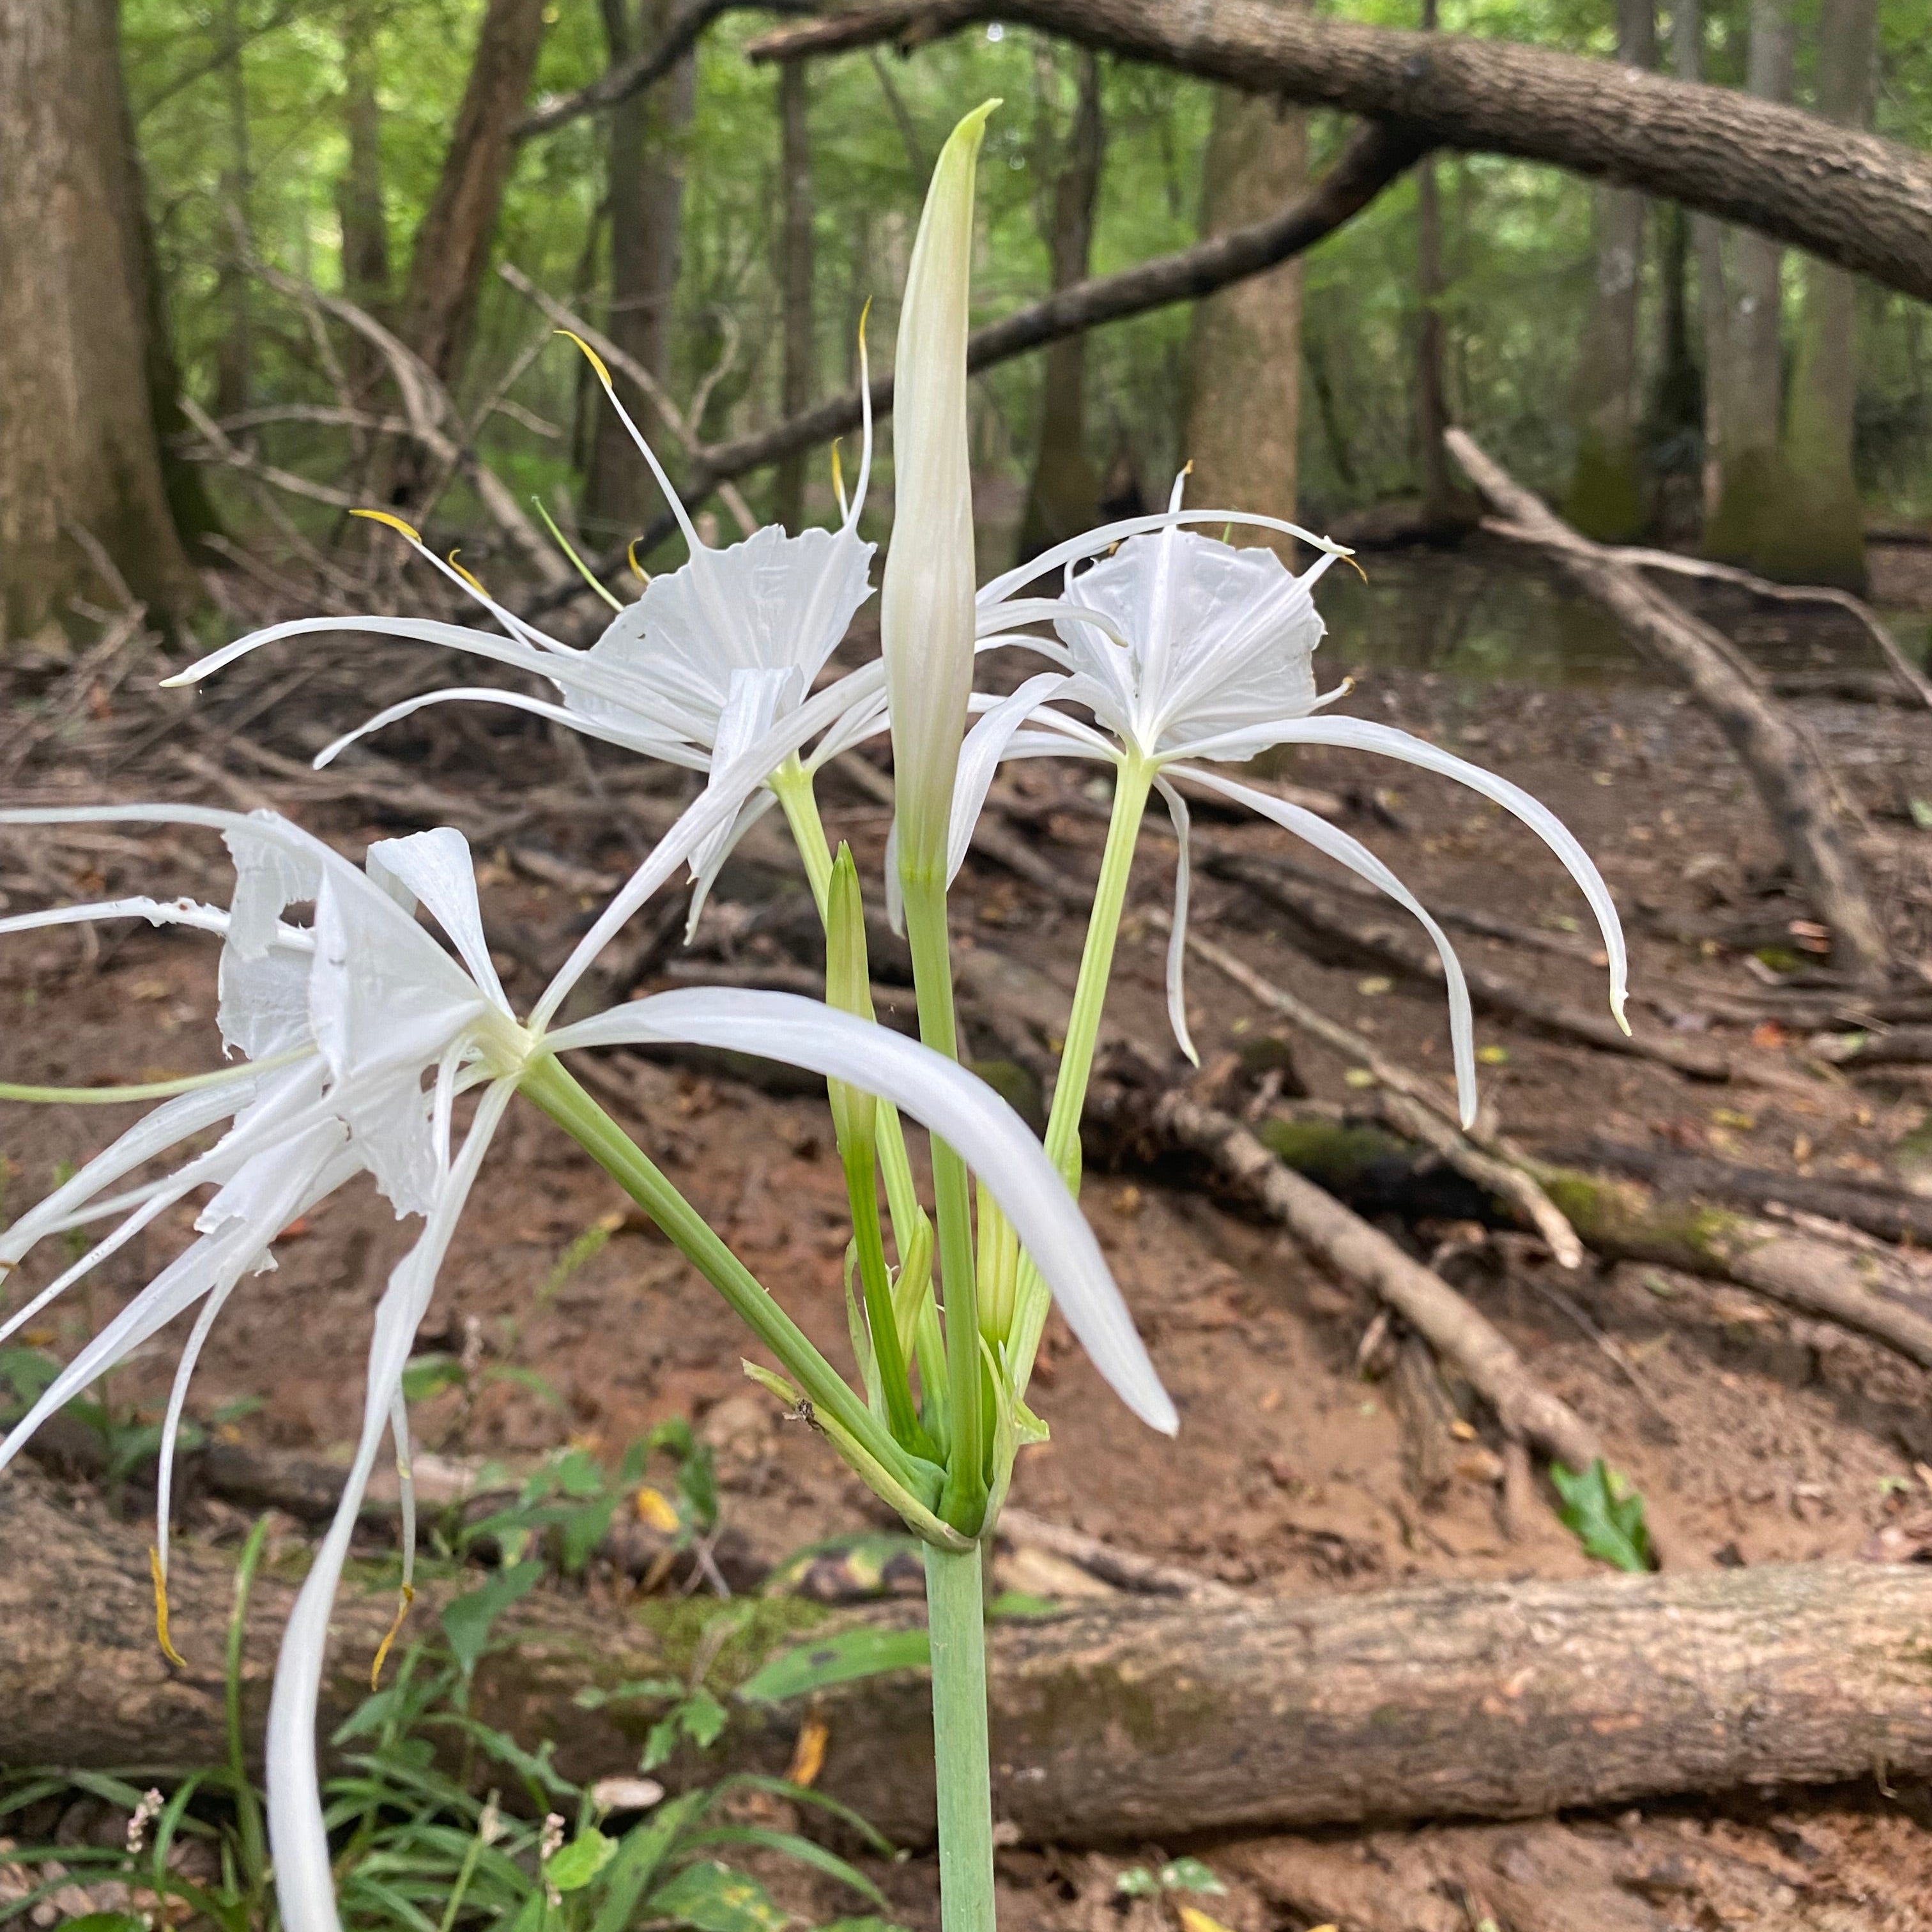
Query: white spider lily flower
point(1182, 647)
point(338, 1022)
point(705, 660)
point(926, 609)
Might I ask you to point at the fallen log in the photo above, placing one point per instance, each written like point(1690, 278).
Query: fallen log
point(1848, 198)
point(1789, 776)
point(1123, 1721)
point(1889, 1213)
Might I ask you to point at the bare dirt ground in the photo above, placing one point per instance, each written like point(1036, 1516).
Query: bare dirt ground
point(1772, 1439)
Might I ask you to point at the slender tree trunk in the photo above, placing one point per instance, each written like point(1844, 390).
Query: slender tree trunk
point(1675, 431)
point(452, 244)
point(234, 353)
point(78, 444)
point(1606, 499)
point(794, 279)
point(1745, 485)
point(1244, 412)
point(647, 198)
point(1825, 541)
point(1432, 386)
point(359, 201)
point(1064, 495)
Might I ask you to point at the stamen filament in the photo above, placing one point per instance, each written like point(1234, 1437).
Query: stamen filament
point(151, 1090)
point(159, 1574)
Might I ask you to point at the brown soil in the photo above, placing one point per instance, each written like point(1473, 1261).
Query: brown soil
point(1774, 1438)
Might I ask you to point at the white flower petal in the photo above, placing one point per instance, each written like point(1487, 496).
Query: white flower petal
point(1351, 852)
point(705, 875)
point(435, 868)
point(979, 759)
point(304, 1880)
point(156, 912)
point(1177, 937)
point(953, 1104)
point(1361, 735)
point(606, 723)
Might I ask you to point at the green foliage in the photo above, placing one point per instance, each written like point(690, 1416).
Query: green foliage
point(1604, 1514)
point(839, 1659)
point(1182, 1874)
point(417, 1850)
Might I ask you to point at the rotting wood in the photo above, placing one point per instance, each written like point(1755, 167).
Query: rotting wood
point(1127, 1720)
point(1790, 777)
point(1889, 1213)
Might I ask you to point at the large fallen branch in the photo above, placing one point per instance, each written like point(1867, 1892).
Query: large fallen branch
point(1375, 157)
point(1121, 1722)
point(1789, 776)
point(1851, 198)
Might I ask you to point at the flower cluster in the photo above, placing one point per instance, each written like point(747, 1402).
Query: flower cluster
point(359, 1030)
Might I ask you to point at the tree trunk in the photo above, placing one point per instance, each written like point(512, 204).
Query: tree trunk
point(78, 444)
point(1745, 486)
point(452, 244)
point(234, 353)
point(1824, 541)
point(1606, 498)
point(1064, 497)
point(646, 187)
point(1124, 1721)
point(795, 251)
point(359, 203)
point(1862, 202)
point(1784, 768)
point(1244, 411)
point(1431, 378)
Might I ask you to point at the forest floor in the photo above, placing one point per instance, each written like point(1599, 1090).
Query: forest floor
point(1772, 1439)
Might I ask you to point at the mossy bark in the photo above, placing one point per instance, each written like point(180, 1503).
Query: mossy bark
point(1123, 1721)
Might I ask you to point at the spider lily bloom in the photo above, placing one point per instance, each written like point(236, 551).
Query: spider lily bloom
point(708, 659)
point(1182, 648)
point(339, 1023)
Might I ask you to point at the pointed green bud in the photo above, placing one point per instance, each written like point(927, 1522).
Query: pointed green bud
point(926, 602)
point(848, 986)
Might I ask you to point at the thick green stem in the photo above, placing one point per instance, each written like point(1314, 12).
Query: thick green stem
point(1131, 783)
point(955, 1618)
point(963, 1501)
point(559, 1096)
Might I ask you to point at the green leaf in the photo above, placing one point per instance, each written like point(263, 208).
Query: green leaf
point(583, 1530)
point(105, 1921)
point(1190, 1875)
point(1022, 1603)
point(660, 1741)
point(590, 1698)
point(427, 1375)
point(837, 1660)
point(1921, 809)
point(580, 1862)
point(715, 1898)
point(703, 1717)
point(790, 1845)
point(467, 1622)
point(1604, 1514)
point(1137, 1881)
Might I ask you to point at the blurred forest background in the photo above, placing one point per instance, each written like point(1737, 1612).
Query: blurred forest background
point(1657, 376)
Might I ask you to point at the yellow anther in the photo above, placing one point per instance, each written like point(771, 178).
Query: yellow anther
point(160, 1576)
point(1348, 556)
point(596, 361)
point(638, 570)
point(1187, 468)
point(407, 1597)
point(469, 577)
point(394, 523)
point(837, 474)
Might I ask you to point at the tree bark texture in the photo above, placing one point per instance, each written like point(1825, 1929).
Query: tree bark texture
point(1120, 1722)
point(1063, 498)
point(235, 348)
point(78, 444)
point(646, 186)
point(1606, 497)
point(1850, 198)
point(359, 200)
point(452, 244)
point(1781, 765)
point(1244, 407)
point(795, 279)
point(1823, 540)
point(1745, 485)
point(1432, 359)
